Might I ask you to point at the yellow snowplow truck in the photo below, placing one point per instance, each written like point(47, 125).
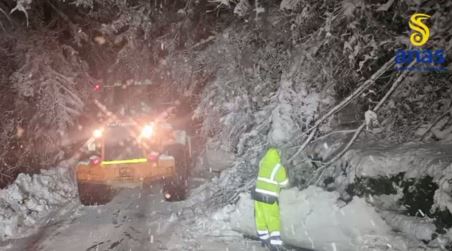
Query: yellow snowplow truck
point(134, 154)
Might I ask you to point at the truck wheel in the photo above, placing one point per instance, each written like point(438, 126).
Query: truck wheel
point(94, 194)
point(175, 188)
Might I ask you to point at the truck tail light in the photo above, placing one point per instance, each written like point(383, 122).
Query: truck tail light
point(153, 156)
point(94, 160)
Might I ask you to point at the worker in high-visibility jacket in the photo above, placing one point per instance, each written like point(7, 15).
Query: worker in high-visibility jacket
point(271, 178)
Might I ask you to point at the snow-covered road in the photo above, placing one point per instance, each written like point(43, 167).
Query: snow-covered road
point(136, 219)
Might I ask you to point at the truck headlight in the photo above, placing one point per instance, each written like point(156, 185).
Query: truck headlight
point(98, 133)
point(147, 131)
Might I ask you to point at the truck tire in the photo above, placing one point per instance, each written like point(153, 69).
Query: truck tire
point(94, 194)
point(175, 188)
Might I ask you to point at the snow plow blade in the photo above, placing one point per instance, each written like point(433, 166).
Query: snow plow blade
point(97, 183)
point(126, 175)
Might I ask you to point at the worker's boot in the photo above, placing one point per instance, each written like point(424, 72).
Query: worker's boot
point(264, 243)
point(275, 248)
point(264, 237)
point(276, 244)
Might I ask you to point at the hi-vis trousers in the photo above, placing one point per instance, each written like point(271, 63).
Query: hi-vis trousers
point(268, 223)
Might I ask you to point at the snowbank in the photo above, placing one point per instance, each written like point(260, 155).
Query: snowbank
point(313, 218)
point(419, 228)
point(218, 224)
point(31, 198)
point(442, 197)
point(415, 160)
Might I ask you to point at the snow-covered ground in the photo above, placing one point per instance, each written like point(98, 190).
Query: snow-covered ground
point(42, 212)
point(316, 219)
point(34, 199)
point(336, 219)
point(136, 219)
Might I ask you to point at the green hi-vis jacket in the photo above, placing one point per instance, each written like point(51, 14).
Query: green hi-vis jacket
point(272, 174)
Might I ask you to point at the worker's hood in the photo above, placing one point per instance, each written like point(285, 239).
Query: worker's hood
point(273, 155)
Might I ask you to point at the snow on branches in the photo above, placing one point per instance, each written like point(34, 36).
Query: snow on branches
point(49, 88)
point(290, 4)
point(50, 78)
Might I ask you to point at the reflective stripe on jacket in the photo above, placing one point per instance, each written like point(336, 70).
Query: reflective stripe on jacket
point(272, 175)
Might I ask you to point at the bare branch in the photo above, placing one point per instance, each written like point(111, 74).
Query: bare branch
point(394, 86)
point(3, 27)
point(5, 14)
point(60, 13)
point(447, 113)
point(344, 103)
point(20, 8)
